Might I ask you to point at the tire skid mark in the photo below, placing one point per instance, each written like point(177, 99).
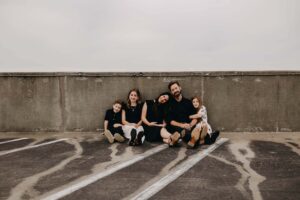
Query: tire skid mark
point(27, 185)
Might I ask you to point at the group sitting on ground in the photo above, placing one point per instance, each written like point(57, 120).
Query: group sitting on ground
point(170, 118)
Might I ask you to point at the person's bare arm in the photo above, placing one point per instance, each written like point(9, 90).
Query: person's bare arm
point(105, 125)
point(193, 122)
point(124, 122)
point(178, 124)
point(195, 116)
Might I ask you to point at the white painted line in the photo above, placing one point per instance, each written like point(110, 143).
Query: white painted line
point(15, 140)
point(95, 177)
point(31, 147)
point(176, 172)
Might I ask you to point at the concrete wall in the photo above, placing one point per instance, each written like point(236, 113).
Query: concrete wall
point(236, 101)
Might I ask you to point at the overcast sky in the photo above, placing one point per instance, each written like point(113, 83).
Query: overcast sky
point(149, 35)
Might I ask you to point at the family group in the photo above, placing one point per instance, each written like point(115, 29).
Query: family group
point(170, 118)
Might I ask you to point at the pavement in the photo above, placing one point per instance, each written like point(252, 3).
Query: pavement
point(85, 166)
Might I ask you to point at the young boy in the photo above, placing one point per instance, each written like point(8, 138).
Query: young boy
point(113, 123)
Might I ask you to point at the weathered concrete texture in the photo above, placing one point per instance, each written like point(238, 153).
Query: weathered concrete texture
point(13, 145)
point(30, 104)
point(20, 165)
point(248, 166)
point(236, 101)
point(288, 103)
point(201, 183)
point(241, 103)
point(283, 180)
point(128, 180)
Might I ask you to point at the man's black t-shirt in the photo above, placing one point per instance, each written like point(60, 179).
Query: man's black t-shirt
point(180, 111)
point(113, 118)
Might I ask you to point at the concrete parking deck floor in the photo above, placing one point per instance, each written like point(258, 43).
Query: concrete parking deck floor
point(86, 166)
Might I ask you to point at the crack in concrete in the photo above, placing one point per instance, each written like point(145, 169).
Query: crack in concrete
point(255, 179)
point(181, 156)
point(240, 185)
point(26, 187)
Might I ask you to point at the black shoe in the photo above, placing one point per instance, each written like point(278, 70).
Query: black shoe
point(139, 138)
point(133, 136)
point(214, 136)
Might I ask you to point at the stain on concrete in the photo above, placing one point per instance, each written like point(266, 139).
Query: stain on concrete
point(93, 153)
point(14, 145)
point(280, 166)
point(254, 178)
point(208, 179)
point(29, 162)
point(25, 188)
point(181, 156)
point(126, 181)
point(294, 144)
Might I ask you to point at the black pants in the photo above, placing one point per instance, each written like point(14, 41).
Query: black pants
point(116, 130)
point(152, 133)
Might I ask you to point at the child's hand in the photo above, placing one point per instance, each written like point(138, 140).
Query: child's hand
point(117, 125)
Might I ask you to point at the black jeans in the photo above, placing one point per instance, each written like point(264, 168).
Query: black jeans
point(116, 130)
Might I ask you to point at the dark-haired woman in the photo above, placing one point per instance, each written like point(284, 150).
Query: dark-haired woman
point(131, 119)
point(153, 115)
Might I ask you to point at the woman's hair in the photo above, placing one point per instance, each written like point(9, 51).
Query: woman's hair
point(200, 102)
point(163, 106)
point(137, 93)
point(162, 94)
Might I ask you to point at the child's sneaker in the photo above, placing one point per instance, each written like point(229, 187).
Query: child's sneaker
point(133, 136)
point(119, 138)
point(214, 136)
point(109, 136)
point(139, 138)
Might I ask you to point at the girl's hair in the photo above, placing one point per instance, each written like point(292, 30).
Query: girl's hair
point(137, 93)
point(200, 102)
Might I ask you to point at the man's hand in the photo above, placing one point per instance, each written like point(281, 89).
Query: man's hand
point(186, 126)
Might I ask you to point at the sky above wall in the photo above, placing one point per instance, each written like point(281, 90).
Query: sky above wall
point(143, 35)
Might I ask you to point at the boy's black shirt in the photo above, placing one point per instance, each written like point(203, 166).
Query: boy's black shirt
point(113, 118)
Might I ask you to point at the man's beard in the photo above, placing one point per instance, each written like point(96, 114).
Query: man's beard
point(177, 94)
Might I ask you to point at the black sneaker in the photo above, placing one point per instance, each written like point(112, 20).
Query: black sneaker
point(214, 136)
point(139, 138)
point(133, 136)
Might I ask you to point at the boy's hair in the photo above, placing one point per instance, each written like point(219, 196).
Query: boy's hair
point(118, 102)
point(172, 83)
point(200, 101)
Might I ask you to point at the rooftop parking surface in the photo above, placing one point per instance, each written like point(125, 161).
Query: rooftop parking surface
point(86, 166)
